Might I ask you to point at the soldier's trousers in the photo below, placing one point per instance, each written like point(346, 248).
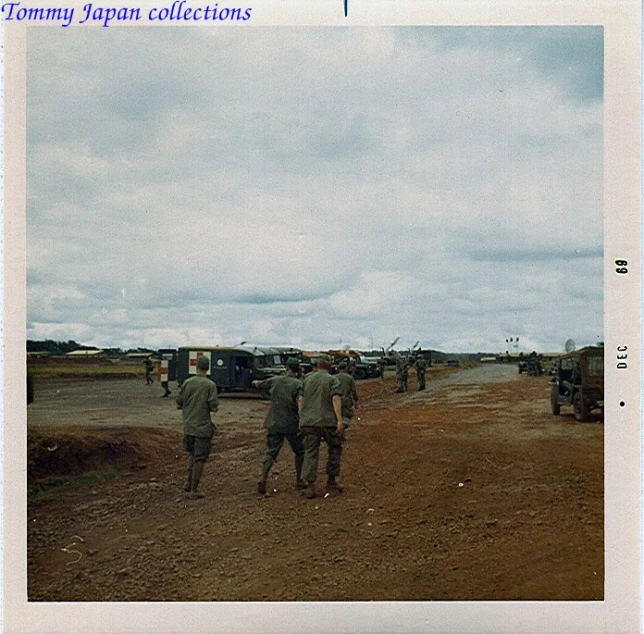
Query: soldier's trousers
point(421, 380)
point(401, 382)
point(274, 442)
point(312, 438)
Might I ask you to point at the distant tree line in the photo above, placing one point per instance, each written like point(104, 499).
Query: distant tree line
point(54, 347)
point(63, 347)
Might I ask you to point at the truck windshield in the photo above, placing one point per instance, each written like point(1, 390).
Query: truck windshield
point(596, 366)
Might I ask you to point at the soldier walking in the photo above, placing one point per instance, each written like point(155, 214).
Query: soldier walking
point(421, 367)
point(197, 398)
point(282, 421)
point(149, 368)
point(321, 419)
point(348, 395)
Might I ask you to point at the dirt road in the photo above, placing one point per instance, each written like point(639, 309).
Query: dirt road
point(470, 490)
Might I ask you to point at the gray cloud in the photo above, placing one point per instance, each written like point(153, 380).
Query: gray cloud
point(314, 186)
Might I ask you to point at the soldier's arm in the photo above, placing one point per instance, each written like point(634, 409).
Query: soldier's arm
point(179, 398)
point(213, 400)
point(265, 384)
point(337, 408)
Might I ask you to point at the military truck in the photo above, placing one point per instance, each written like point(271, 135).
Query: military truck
point(289, 352)
point(359, 366)
point(579, 381)
point(232, 369)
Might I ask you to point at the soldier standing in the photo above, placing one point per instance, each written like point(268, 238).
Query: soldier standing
point(149, 368)
point(197, 398)
point(321, 419)
point(400, 373)
point(348, 395)
point(282, 421)
point(421, 366)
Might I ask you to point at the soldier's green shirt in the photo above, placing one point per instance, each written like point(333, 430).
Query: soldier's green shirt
point(283, 415)
point(348, 394)
point(317, 399)
point(197, 396)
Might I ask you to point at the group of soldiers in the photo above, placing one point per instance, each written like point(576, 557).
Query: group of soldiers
point(303, 413)
point(402, 372)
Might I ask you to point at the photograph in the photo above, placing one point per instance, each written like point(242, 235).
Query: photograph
point(316, 319)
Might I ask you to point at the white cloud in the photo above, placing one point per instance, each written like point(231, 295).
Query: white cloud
point(312, 186)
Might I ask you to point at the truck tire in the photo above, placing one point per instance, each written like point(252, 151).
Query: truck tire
point(554, 404)
point(359, 373)
point(580, 408)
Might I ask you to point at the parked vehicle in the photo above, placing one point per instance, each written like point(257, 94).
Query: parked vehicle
point(359, 366)
point(288, 352)
point(232, 369)
point(579, 381)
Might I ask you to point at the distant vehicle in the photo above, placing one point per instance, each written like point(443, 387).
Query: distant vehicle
point(579, 381)
point(534, 367)
point(232, 369)
point(360, 366)
point(288, 352)
point(453, 363)
point(367, 368)
point(310, 359)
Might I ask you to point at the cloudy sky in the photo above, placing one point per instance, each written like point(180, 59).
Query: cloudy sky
point(319, 187)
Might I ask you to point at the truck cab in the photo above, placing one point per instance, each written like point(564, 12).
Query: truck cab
point(578, 381)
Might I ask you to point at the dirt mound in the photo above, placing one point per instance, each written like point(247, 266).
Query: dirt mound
point(66, 452)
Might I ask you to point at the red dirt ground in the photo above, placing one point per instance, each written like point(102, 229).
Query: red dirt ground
point(470, 490)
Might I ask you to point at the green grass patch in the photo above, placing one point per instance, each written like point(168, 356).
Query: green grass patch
point(79, 370)
point(49, 488)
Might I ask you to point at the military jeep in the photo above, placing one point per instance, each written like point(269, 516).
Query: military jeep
point(579, 381)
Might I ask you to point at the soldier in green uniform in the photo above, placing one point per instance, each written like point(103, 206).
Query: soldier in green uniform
point(401, 372)
point(282, 421)
point(321, 419)
point(421, 366)
point(348, 395)
point(149, 368)
point(197, 398)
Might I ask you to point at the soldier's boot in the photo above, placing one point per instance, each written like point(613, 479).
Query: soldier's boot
point(188, 485)
point(299, 483)
point(197, 471)
point(310, 490)
point(333, 484)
